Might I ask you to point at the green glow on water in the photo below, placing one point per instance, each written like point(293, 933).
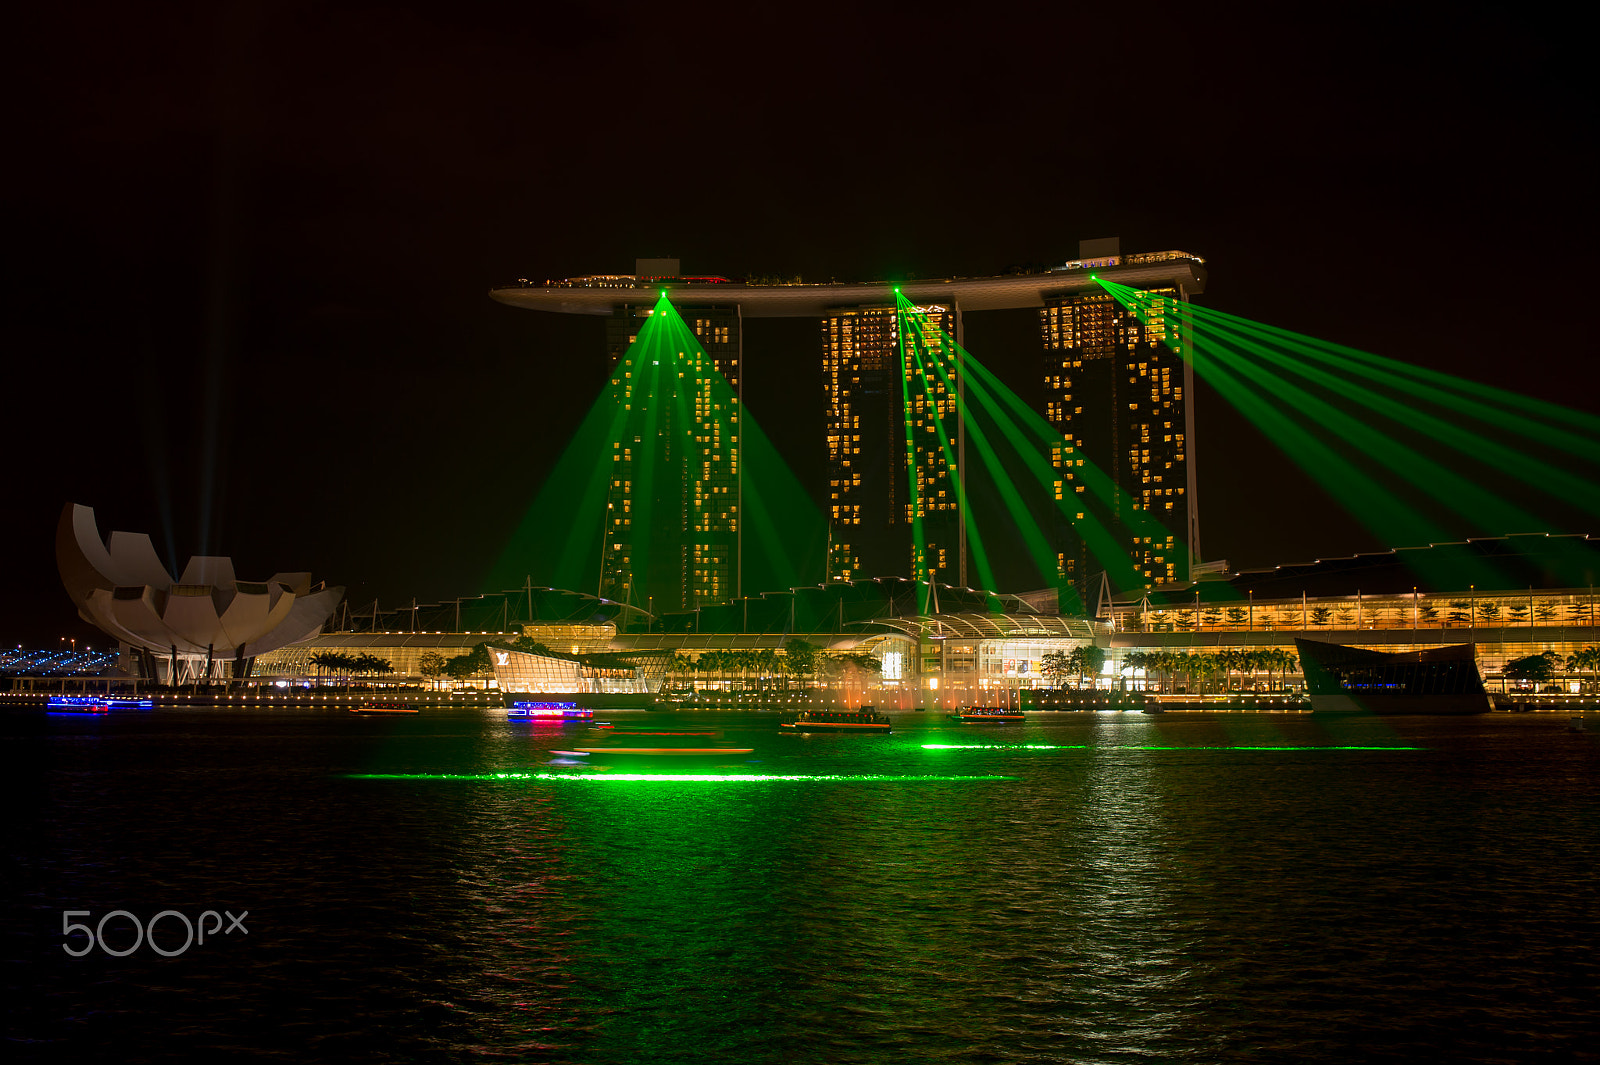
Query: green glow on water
point(1145, 747)
point(699, 778)
point(1007, 746)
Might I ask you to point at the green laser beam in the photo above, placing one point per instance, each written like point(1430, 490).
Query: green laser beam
point(919, 548)
point(1229, 340)
point(653, 472)
point(786, 532)
point(1145, 747)
point(696, 778)
point(999, 399)
point(1033, 539)
point(1378, 508)
point(1555, 481)
point(980, 557)
point(1007, 411)
point(1268, 343)
point(1446, 486)
point(1394, 372)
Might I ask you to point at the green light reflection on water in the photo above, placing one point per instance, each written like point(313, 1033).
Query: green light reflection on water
point(713, 778)
point(1143, 747)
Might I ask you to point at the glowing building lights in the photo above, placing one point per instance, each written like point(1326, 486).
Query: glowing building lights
point(883, 416)
point(1134, 426)
point(681, 479)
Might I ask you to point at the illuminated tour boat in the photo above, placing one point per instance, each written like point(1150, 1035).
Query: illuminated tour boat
point(653, 752)
point(643, 742)
point(384, 708)
point(95, 704)
point(543, 711)
point(986, 715)
point(76, 704)
point(866, 719)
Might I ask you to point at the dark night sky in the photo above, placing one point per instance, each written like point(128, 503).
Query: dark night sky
point(252, 241)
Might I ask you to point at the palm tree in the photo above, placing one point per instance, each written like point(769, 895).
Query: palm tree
point(366, 662)
point(1166, 663)
point(1286, 661)
point(710, 662)
point(1136, 660)
point(1182, 662)
point(1267, 660)
point(1585, 658)
point(1254, 659)
point(323, 660)
point(335, 662)
point(1229, 662)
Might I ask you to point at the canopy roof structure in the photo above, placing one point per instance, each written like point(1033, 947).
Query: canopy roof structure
point(1518, 563)
point(501, 611)
point(989, 626)
point(845, 606)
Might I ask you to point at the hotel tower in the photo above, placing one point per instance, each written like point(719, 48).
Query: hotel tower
point(1118, 391)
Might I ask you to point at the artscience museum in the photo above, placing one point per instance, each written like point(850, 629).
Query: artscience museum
point(186, 630)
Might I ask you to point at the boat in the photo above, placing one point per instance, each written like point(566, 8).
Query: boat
point(653, 752)
point(645, 741)
point(384, 708)
point(76, 704)
point(646, 730)
point(1435, 680)
point(125, 703)
point(986, 715)
point(866, 719)
point(543, 711)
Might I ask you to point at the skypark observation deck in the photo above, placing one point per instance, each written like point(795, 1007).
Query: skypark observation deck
point(599, 294)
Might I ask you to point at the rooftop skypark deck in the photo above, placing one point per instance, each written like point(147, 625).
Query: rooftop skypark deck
point(598, 294)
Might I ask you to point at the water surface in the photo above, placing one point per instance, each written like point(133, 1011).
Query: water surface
point(1190, 888)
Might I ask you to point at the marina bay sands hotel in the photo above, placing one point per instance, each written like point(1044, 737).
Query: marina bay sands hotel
point(1119, 395)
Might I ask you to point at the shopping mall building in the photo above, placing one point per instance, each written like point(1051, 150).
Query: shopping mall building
point(1529, 594)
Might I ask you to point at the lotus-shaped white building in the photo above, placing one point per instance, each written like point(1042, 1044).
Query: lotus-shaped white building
point(178, 629)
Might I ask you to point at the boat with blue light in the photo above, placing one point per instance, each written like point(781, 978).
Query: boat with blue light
point(529, 710)
point(653, 752)
point(76, 704)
